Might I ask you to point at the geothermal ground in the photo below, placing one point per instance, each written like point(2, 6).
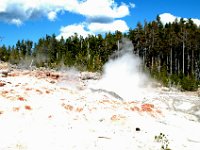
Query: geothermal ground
point(44, 109)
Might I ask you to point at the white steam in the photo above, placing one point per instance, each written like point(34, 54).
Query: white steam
point(123, 74)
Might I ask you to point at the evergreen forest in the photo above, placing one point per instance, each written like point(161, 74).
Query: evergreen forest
point(169, 52)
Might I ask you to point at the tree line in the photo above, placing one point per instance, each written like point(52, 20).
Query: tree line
point(170, 52)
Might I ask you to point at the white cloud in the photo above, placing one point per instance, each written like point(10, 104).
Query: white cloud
point(167, 17)
point(107, 8)
point(119, 25)
point(132, 5)
point(28, 9)
point(101, 15)
point(85, 29)
point(196, 21)
point(17, 22)
point(2, 6)
point(52, 15)
point(70, 30)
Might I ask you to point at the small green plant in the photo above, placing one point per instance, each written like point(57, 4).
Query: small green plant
point(189, 83)
point(161, 138)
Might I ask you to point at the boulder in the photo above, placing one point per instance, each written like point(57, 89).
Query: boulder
point(2, 84)
point(90, 76)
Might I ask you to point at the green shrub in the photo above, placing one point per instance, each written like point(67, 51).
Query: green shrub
point(189, 84)
point(175, 80)
point(162, 138)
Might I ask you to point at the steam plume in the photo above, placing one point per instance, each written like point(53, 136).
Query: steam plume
point(123, 75)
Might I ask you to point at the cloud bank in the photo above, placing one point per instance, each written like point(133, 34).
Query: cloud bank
point(167, 17)
point(100, 14)
point(119, 25)
point(70, 30)
point(19, 11)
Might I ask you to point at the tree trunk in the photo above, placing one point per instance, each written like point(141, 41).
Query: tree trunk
point(88, 51)
point(159, 63)
point(118, 47)
point(183, 57)
point(171, 61)
point(189, 64)
point(144, 55)
point(192, 63)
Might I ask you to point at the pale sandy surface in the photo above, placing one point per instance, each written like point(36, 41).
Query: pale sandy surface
point(57, 111)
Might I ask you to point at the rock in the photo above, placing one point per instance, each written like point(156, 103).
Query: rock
point(2, 84)
point(52, 82)
point(115, 95)
point(4, 73)
point(55, 76)
point(101, 120)
point(90, 76)
point(165, 89)
point(137, 129)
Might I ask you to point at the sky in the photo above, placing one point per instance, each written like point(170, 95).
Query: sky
point(34, 19)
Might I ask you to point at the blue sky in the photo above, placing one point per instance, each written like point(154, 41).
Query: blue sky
point(33, 19)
